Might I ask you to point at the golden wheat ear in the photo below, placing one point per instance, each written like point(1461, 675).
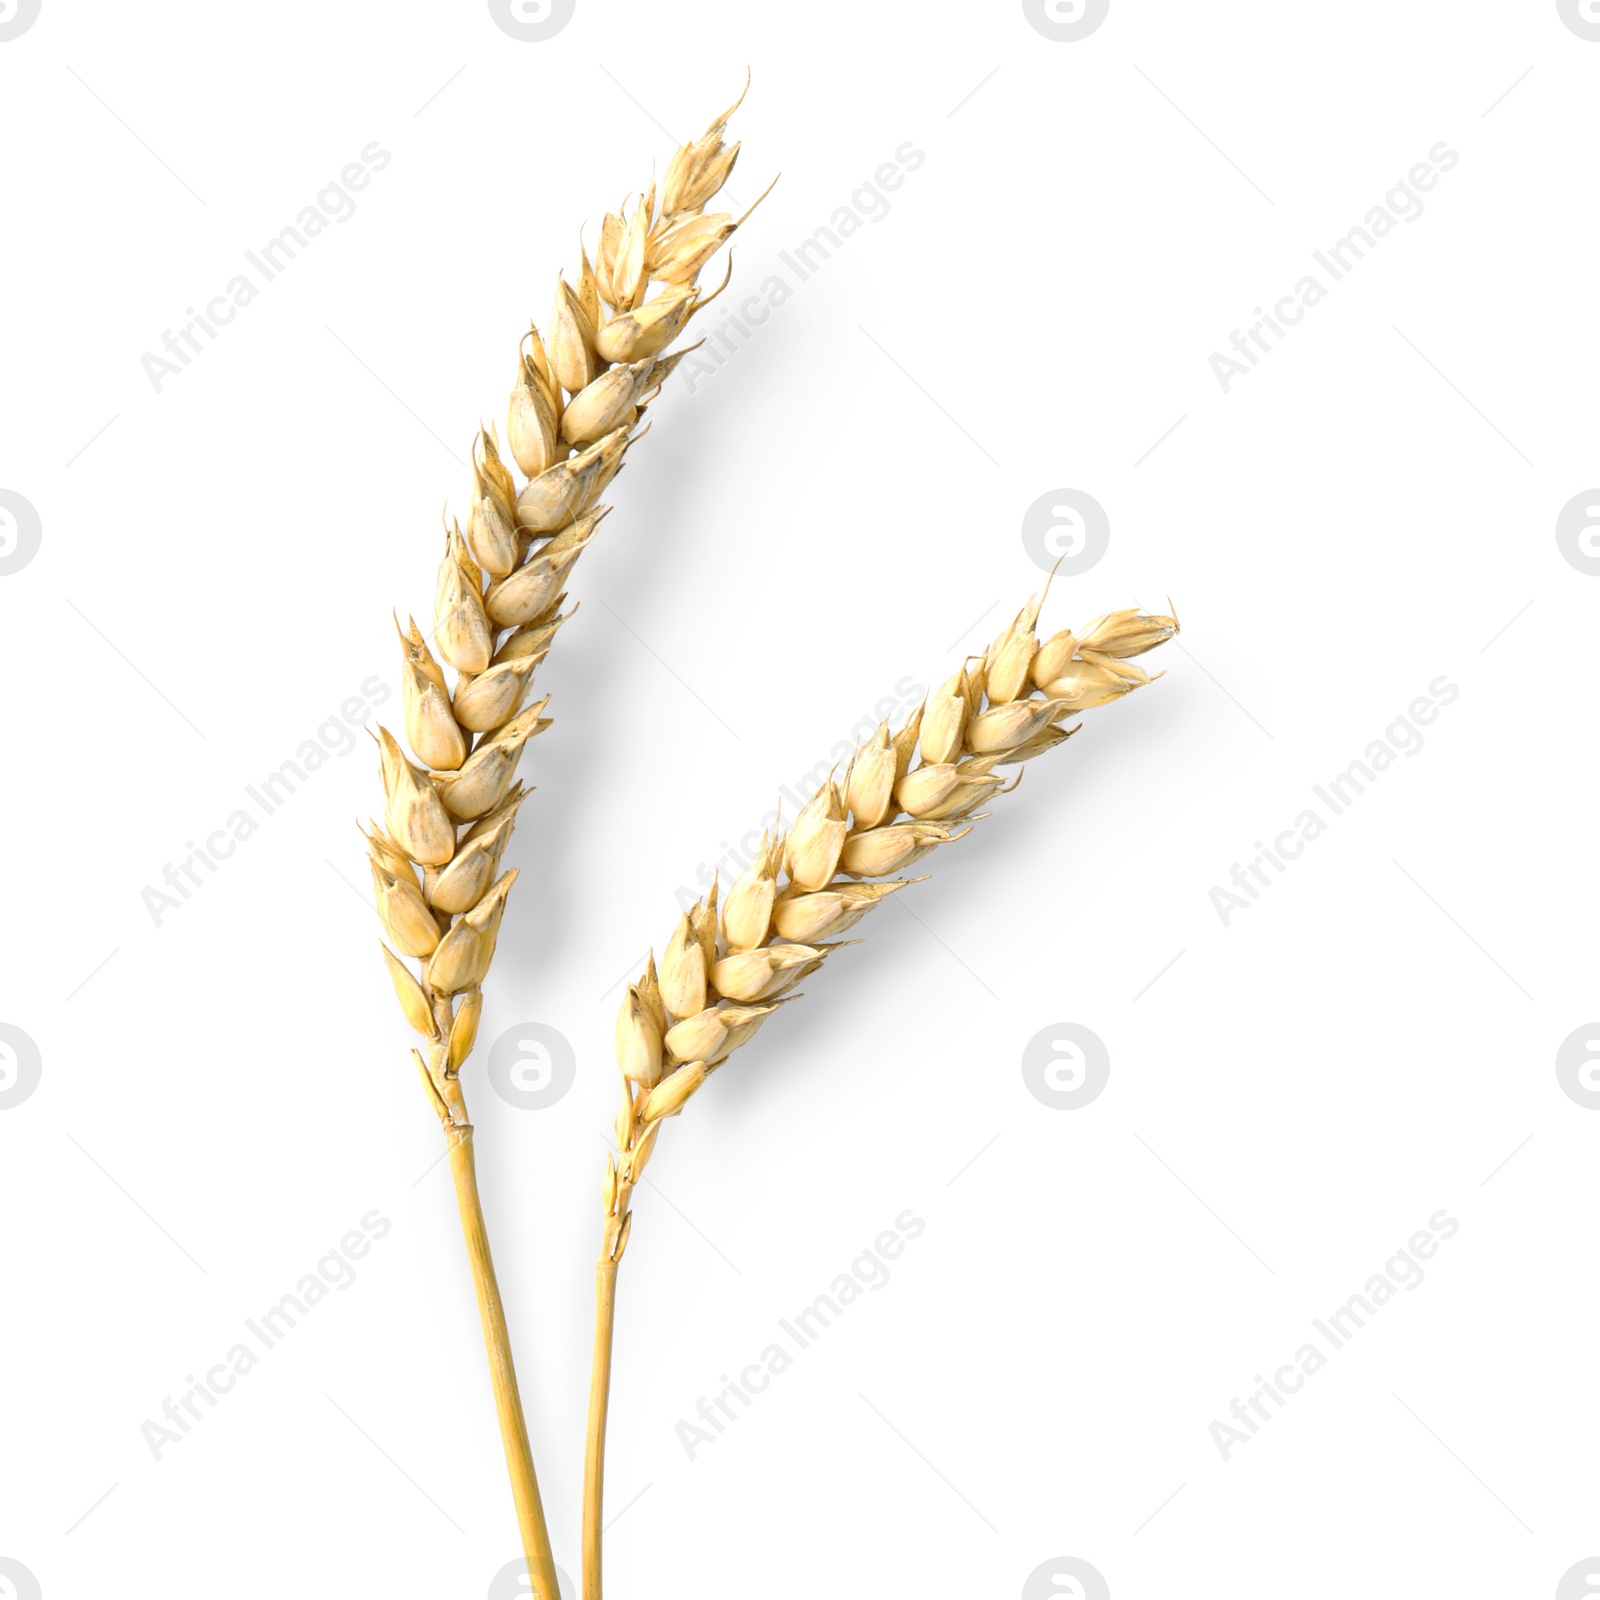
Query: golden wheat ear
point(575, 406)
point(904, 794)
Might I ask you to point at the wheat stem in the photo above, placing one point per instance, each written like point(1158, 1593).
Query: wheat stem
point(502, 1371)
point(594, 1461)
point(619, 1223)
point(577, 400)
point(722, 975)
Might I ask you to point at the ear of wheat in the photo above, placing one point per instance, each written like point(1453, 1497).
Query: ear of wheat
point(904, 794)
point(579, 393)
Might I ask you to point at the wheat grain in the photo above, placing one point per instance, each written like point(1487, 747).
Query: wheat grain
point(904, 794)
point(440, 894)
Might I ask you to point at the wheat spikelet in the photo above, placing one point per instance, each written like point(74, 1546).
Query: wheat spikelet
point(904, 794)
point(577, 400)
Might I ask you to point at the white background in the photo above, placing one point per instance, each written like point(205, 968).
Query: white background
point(1291, 1096)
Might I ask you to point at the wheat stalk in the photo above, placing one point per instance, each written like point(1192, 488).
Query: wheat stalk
point(497, 607)
point(722, 976)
